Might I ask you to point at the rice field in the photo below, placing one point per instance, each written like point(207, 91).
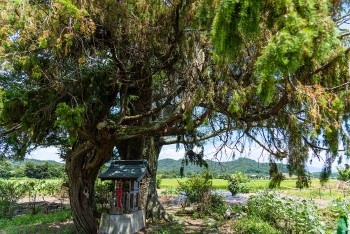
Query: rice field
point(255, 184)
point(173, 183)
point(316, 191)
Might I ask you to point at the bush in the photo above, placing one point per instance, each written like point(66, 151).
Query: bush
point(254, 225)
point(102, 194)
point(159, 179)
point(286, 214)
point(217, 205)
point(238, 183)
point(6, 169)
point(196, 187)
point(10, 193)
point(344, 173)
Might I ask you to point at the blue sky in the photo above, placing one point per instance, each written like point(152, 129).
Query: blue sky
point(169, 151)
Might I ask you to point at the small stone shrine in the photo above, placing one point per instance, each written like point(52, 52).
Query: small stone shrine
point(125, 214)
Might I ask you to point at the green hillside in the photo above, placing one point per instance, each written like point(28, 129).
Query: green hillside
point(246, 165)
point(34, 161)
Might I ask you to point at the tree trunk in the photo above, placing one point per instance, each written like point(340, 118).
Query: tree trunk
point(82, 165)
point(149, 150)
point(154, 209)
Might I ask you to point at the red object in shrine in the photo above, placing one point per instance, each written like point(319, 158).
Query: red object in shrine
point(120, 194)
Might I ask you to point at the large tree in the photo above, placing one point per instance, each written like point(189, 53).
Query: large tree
point(89, 76)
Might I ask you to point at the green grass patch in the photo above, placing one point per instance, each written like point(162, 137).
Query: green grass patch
point(24, 179)
point(257, 185)
point(28, 219)
point(173, 183)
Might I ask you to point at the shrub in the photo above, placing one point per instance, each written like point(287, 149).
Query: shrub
point(196, 187)
point(238, 183)
point(102, 194)
point(217, 204)
point(285, 213)
point(254, 225)
point(159, 179)
point(10, 193)
point(344, 173)
point(6, 169)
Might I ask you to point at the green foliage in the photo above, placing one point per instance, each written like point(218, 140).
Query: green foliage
point(170, 168)
point(70, 118)
point(159, 179)
point(44, 170)
point(6, 169)
point(285, 213)
point(234, 22)
point(39, 188)
point(16, 224)
point(10, 193)
point(340, 207)
point(276, 179)
point(170, 191)
point(238, 183)
point(216, 206)
point(254, 225)
point(102, 194)
point(344, 173)
point(196, 187)
point(342, 225)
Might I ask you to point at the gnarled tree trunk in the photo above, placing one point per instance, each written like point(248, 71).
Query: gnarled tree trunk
point(82, 165)
point(154, 209)
point(147, 148)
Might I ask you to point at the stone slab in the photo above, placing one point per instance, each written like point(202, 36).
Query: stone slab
point(122, 224)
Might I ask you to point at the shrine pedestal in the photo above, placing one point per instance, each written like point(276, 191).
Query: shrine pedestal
point(122, 223)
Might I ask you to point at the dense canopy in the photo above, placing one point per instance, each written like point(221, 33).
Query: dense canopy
point(89, 76)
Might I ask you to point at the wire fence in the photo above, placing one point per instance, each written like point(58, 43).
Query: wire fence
point(321, 192)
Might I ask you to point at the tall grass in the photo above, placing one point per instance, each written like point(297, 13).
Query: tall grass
point(25, 219)
point(39, 223)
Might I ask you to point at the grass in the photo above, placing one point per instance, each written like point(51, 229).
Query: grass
point(38, 223)
point(25, 179)
point(287, 188)
point(256, 184)
point(173, 183)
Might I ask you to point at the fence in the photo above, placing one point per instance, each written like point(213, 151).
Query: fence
point(321, 192)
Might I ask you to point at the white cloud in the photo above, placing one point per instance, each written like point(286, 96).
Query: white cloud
point(49, 153)
point(169, 151)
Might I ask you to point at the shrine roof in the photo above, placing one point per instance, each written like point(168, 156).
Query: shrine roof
point(125, 170)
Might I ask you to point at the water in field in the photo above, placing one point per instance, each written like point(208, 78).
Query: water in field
point(231, 200)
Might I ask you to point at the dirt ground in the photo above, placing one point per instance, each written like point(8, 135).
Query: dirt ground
point(184, 222)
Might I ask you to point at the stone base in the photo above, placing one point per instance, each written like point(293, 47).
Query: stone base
point(122, 224)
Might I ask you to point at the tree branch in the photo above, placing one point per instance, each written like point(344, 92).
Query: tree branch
point(14, 128)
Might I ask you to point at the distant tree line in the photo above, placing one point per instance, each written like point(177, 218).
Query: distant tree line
point(44, 170)
point(170, 168)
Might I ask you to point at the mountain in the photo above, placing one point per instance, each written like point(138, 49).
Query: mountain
point(245, 165)
point(35, 161)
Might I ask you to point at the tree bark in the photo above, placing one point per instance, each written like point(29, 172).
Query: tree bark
point(147, 148)
point(82, 165)
point(154, 209)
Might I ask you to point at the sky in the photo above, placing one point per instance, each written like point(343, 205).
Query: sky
point(170, 151)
